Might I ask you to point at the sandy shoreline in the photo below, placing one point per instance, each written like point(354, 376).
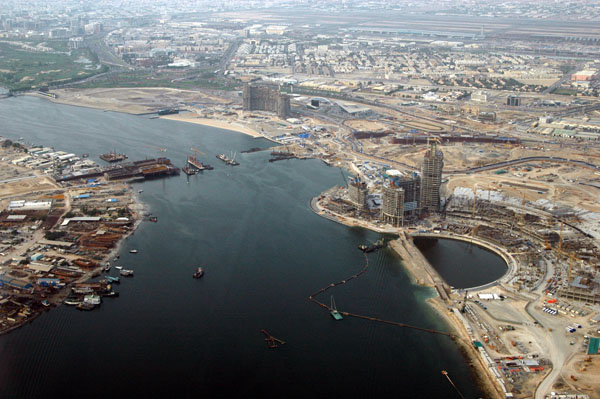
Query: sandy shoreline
point(423, 274)
point(221, 124)
point(112, 105)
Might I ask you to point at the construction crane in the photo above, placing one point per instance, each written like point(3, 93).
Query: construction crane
point(196, 152)
point(560, 240)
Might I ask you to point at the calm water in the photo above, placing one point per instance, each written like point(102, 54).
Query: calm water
point(264, 253)
point(462, 264)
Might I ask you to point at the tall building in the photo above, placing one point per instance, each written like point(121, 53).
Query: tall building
point(263, 98)
point(401, 199)
point(513, 101)
point(357, 193)
point(431, 178)
point(392, 209)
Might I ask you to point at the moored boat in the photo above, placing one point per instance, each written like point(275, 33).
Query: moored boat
point(85, 306)
point(126, 273)
point(72, 301)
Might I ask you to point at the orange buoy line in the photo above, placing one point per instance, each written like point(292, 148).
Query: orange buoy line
point(445, 373)
point(395, 323)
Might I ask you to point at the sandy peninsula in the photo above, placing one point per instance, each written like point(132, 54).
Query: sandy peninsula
point(221, 124)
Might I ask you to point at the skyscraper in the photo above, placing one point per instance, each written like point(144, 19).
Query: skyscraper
point(431, 178)
point(401, 199)
point(392, 210)
point(357, 192)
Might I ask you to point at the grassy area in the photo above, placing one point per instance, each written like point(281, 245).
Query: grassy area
point(565, 92)
point(22, 68)
point(160, 79)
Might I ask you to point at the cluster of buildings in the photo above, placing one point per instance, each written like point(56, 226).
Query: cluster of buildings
point(405, 196)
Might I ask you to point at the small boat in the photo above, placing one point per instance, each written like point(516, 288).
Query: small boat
point(333, 310)
point(126, 273)
point(45, 303)
point(72, 301)
point(153, 219)
point(140, 191)
point(85, 306)
point(199, 273)
point(119, 267)
point(133, 251)
point(112, 279)
point(106, 267)
point(111, 294)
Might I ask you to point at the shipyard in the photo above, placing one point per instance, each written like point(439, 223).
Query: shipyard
point(63, 222)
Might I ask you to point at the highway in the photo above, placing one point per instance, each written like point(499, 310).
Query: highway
point(502, 164)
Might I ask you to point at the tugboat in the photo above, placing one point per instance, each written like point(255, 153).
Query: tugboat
point(199, 273)
point(373, 247)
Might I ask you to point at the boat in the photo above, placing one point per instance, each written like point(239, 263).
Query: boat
point(111, 294)
point(45, 303)
point(106, 267)
point(92, 299)
point(112, 157)
point(199, 273)
point(196, 164)
point(85, 262)
point(153, 219)
point(140, 191)
point(126, 273)
point(112, 279)
point(227, 160)
point(133, 251)
point(167, 111)
point(85, 306)
point(189, 170)
point(119, 267)
point(372, 247)
point(72, 301)
point(333, 310)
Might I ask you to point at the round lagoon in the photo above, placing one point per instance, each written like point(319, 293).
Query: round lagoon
point(461, 264)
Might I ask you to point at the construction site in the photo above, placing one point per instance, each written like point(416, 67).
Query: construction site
point(529, 329)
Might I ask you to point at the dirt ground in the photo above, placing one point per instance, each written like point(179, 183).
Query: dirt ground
point(134, 100)
point(586, 373)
